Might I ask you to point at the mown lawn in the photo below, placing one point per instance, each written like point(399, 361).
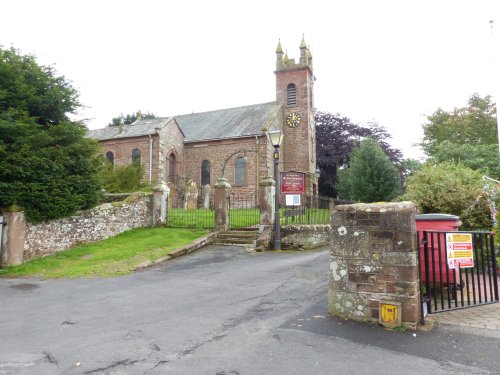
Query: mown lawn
point(112, 257)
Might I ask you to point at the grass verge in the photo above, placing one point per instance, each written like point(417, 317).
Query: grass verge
point(112, 257)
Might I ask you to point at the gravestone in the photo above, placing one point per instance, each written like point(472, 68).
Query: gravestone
point(191, 196)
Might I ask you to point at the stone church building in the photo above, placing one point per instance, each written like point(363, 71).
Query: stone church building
point(233, 143)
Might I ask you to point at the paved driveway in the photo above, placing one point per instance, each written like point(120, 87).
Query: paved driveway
point(219, 311)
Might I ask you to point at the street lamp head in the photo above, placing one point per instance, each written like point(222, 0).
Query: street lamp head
point(276, 137)
point(318, 172)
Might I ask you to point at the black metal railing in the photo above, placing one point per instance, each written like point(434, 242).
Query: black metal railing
point(457, 275)
point(243, 212)
point(312, 210)
point(182, 213)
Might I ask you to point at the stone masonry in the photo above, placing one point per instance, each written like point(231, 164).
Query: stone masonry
point(374, 258)
point(96, 224)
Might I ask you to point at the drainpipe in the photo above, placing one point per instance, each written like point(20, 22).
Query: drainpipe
point(257, 171)
point(150, 159)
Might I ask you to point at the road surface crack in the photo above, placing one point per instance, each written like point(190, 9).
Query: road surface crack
point(123, 362)
point(50, 358)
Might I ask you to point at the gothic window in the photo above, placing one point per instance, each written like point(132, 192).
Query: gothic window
point(291, 94)
point(136, 156)
point(240, 172)
point(172, 172)
point(205, 173)
point(110, 157)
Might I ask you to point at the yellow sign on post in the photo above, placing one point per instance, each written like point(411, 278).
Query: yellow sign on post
point(390, 314)
point(459, 250)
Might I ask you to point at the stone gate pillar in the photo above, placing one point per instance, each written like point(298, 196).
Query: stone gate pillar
point(221, 204)
point(374, 263)
point(12, 237)
point(160, 196)
point(266, 199)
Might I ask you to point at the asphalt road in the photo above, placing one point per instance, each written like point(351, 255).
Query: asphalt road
point(219, 311)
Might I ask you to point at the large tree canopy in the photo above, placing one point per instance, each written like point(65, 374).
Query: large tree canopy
point(47, 166)
point(370, 176)
point(336, 138)
point(34, 90)
point(465, 135)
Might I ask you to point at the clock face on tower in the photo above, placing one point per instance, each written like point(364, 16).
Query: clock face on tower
point(293, 119)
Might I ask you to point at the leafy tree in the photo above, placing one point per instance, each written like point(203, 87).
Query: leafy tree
point(370, 176)
point(130, 118)
point(47, 165)
point(467, 135)
point(121, 179)
point(483, 158)
point(336, 137)
point(408, 167)
point(452, 189)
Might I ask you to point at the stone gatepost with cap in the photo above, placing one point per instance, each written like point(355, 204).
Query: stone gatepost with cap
point(160, 196)
point(221, 204)
point(374, 275)
point(266, 223)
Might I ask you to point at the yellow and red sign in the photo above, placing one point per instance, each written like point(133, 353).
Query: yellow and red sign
point(459, 250)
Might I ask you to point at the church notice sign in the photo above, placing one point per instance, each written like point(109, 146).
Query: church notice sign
point(459, 253)
point(293, 182)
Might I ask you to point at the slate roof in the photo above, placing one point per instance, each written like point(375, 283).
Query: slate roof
point(226, 123)
point(223, 123)
point(139, 128)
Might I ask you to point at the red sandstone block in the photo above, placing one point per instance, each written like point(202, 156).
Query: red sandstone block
point(397, 287)
point(370, 288)
point(410, 312)
point(362, 277)
point(382, 278)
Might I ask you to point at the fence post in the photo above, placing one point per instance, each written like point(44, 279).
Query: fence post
point(266, 199)
point(160, 196)
point(13, 237)
point(222, 190)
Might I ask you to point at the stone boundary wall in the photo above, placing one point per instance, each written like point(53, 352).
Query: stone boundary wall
point(305, 237)
point(95, 224)
point(374, 258)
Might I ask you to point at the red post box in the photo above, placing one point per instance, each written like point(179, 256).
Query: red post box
point(436, 257)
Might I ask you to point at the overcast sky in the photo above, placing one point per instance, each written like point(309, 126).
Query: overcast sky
point(393, 62)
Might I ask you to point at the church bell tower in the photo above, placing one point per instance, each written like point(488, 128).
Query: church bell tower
point(294, 92)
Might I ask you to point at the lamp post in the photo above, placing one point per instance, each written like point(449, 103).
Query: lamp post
point(276, 139)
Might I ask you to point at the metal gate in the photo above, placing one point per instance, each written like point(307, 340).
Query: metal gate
point(457, 270)
point(243, 211)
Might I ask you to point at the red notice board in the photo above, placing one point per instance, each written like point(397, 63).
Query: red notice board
point(293, 182)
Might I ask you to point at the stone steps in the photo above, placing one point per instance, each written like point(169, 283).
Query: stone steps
point(244, 236)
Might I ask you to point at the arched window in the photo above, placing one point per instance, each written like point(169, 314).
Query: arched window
point(205, 173)
point(291, 94)
point(110, 157)
point(136, 156)
point(240, 172)
point(172, 172)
